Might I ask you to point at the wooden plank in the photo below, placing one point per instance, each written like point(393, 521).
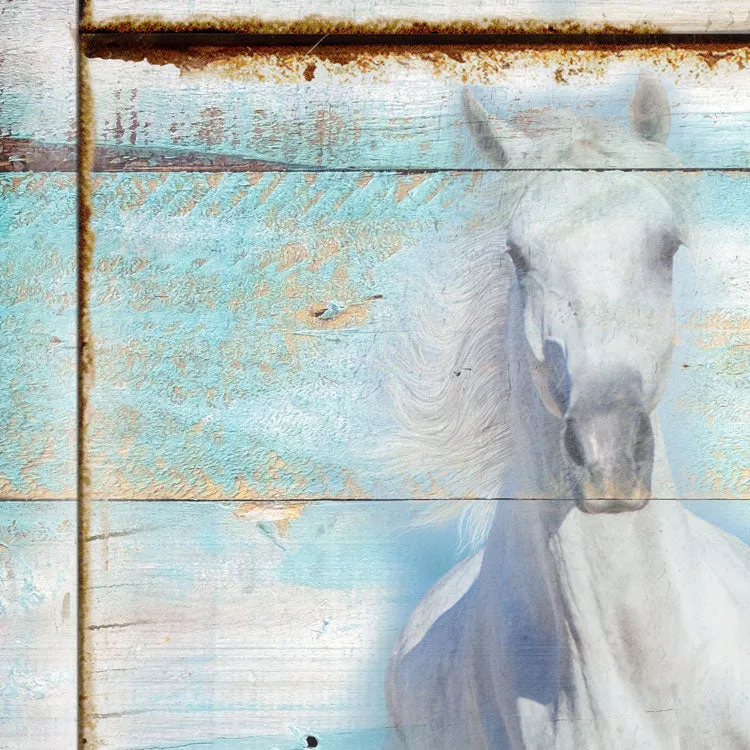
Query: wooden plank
point(38, 587)
point(37, 77)
point(350, 108)
point(219, 376)
point(38, 323)
point(256, 625)
point(350, 16)
point(37, 251)
point(38, 623)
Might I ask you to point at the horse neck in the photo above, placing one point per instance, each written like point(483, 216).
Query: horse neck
point(538, 466)
point(600, 585)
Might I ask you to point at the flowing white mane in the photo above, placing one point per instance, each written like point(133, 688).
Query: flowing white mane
point(448, 382)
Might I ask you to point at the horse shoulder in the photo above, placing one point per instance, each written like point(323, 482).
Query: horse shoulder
point(417, 696)
point(437, 601)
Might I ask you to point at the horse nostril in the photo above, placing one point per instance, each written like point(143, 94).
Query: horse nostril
point(573, 444)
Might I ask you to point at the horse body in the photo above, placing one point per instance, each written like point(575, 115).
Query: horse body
point(597, 619)
point(581, 631)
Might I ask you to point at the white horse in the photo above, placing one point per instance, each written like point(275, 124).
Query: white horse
point(597, 620)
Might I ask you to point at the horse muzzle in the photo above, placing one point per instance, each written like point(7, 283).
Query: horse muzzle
point(611, 504)
point(611, 454)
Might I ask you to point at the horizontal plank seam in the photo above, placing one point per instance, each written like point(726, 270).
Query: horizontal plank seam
point(93, 34)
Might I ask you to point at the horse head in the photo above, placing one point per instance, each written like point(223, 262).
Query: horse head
point(592, 251)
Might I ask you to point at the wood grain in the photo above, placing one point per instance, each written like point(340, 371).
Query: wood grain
point(38, 321)
point(218, 375)
point(38, 587)
point(400, 109)
point(38, 625)
point(387, 15)
point(37, 251)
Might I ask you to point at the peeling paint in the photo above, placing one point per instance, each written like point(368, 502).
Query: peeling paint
point(37, 323)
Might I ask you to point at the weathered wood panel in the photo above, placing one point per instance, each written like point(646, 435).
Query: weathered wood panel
point(38, 625)
point(38, 344)
point(37, 85)
point(256, 625)
point(249, 625)
point(38, 680)
point(218, 375)
point(388, 15)
point(398, 109)
point(37, 251)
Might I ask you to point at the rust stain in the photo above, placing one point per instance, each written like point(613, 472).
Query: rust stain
point(211, 126)
point(318, 24)
point(464, 62)
point(585, 52)
point(85, 382)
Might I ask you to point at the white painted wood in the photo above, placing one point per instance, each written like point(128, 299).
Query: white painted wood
point(37, 70)
point(402, 109)
point(37, 625)
point(247, 626)
point(323, 15)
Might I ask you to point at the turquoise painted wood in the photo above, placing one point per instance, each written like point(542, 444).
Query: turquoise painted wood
point(219, 373)
point(400, 110)
point(38, 625)
point(38, 335)
point(255, 625)
point(38, 609)
point(250, 625)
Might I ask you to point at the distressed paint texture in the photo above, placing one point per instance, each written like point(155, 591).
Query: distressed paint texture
point(388, 15)
point(37, 73)
point(38, 620)
point(240, 323)
point(37, 252)
point(37, 327)
point(227, 625)
point(401, 109)
point(235, 319)
point(38, 625)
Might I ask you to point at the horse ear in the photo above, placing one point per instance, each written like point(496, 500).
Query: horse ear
point(486, 134)
point(649, 109)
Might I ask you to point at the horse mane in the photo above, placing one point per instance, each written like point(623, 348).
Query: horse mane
point(447, 380)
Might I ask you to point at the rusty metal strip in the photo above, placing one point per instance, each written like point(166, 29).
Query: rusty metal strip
point(84, 380)
point(192, 47)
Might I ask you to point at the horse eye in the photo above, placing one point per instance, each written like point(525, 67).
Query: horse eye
point(516, 256)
